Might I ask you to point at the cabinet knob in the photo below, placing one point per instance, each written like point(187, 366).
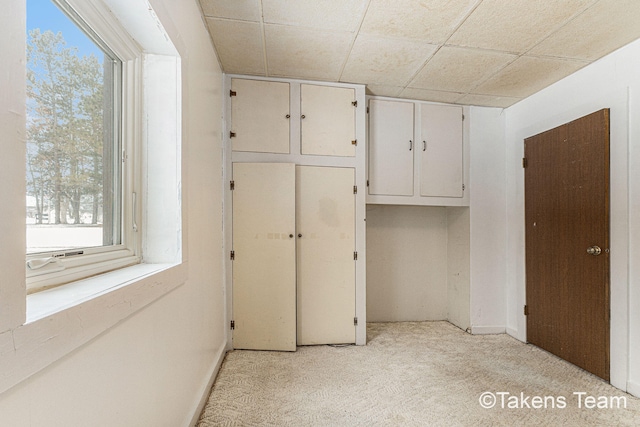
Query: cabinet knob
point(291, 236)
point(299, 234)
point(302, 116)
point(288, 116)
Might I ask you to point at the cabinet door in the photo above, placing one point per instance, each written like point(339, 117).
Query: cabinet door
point(328, 120)
point(441, 149)
point(264, 270)
point(326, 243)
point(259, 116)
point(391, 147)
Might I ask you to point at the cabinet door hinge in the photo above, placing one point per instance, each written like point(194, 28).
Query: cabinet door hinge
point(367, 110)
point(367, 183)
point(526, 310)
point(233, 325)
point(463, 187)
point(354, 103)
point(232, 134)
point(463, 117)
point(232, 256)
point(354, 142)
point(355, 189)
point(355, 256)
point(355, 321)
point(232, 93)
point(525, 163)
point(232, 185)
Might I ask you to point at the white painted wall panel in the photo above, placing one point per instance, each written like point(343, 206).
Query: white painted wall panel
point(406, 263)
point(458, 271)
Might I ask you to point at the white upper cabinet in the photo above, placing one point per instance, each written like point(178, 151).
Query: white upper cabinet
point(328, 120)
point(441, 151)
point(260, 116)
point(416, 153)
point(391, 147)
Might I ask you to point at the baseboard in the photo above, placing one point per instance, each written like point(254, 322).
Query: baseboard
point(192, 420)
point(633, 388)
point(488, 330)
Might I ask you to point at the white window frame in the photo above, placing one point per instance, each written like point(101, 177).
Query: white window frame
point(38, 329)
point(101, 259)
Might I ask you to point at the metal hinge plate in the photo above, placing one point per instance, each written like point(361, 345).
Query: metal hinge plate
point(355, 189)
point(232, 93)
point(463, 187)
point(232, 134)
point(355, 321)
point(525, 163)
point(233, 325)
point(355, 256)
point(526, 310)
point(232, 256)
point(354, 142)
point(354, 103)
point(232, 185)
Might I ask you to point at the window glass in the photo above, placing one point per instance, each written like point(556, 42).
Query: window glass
point(73, 175)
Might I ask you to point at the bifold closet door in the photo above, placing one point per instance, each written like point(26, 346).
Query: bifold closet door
point(325, 210)
point(264, 266)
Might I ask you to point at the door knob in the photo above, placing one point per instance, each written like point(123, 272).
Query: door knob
point(594, 250)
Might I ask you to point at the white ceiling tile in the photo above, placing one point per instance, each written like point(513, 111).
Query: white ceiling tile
point(514, 25)
point(431, 21)
point(341, 15)
point(527, 75)
point(430, 95)
point(604, 27)
point(243, 10)
point(460, 69)
point(488, 100)
point(383, 90)
point(386, 61)
point(305, 53)
point(239, 45)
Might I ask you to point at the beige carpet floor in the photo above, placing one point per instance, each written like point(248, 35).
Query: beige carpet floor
point(413, 374)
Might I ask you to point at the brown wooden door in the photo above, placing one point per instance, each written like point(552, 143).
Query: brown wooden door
point(566, 213)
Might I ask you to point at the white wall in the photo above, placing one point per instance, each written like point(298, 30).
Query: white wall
point(488, 219)
point(458, 267)
point(152, 368)
point(612, 82)
point(406, 263)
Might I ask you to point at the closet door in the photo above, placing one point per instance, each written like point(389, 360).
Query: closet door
point(391, 148)
point(328, 120)
point(264, 245)
point(259, 116)
point(325, 210)
point(441, 149)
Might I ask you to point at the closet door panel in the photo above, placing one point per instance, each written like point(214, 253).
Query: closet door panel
point(325, 210)
point(328, 120)
point(391, 148)
point(441, 149)
point(259, 111)
point(264, 245)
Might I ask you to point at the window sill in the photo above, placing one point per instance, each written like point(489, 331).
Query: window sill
point(51, 301)
point(63, 319)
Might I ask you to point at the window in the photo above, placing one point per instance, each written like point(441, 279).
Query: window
point(75, 165)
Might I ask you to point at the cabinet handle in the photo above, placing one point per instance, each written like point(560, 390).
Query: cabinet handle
point(410, 145)
point(424, 145)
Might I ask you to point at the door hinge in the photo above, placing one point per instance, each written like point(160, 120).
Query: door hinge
point(232, 93)
point(355, 256)
point(525, 163)
point(463, 187)
point(232, 185)
point(526, 310)
point(232, 256)
point(355, 189)
point(354, 142)
point(233, 325)
point(367, 183)
point(355, 321)
point(232, 134)
point(354, 103)
point(367, 110)
point(463, 117)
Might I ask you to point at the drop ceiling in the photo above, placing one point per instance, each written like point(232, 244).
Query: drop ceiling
point(472, 52)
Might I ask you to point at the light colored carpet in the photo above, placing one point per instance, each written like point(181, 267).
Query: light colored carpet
point(412, 374)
